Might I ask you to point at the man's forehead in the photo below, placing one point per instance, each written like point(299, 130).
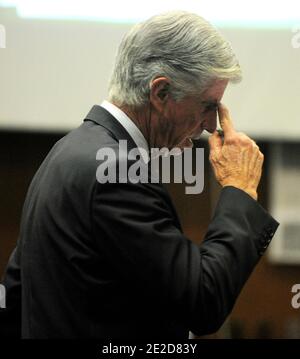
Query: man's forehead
point(215, 92)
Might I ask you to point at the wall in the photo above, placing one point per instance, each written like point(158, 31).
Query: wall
point(53, 70)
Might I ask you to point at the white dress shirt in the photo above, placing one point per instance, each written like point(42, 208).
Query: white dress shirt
point(129, 126)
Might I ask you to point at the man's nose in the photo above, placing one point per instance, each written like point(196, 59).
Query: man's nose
point(210, 123)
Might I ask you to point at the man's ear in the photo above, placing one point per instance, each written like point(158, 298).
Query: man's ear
point(159, 93)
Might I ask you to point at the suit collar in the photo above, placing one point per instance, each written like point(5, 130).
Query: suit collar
point(102, 117)
point(129, 125)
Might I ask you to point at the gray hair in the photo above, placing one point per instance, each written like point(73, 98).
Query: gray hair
point(179, 45)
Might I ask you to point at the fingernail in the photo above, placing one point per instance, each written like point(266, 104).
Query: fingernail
point(220, 132)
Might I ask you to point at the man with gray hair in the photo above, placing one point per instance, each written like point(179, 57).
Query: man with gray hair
point(110, 260)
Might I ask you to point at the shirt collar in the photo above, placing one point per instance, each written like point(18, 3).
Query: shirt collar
point(128, 124)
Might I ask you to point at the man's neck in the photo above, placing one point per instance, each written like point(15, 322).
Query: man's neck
point(141, 118)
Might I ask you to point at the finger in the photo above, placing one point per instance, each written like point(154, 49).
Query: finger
point(253, 160)
point(215, 142)
point(258, 167)
point(225, 120)
point(260, 161)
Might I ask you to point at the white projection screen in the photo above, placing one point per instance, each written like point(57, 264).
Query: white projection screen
point(56, 58)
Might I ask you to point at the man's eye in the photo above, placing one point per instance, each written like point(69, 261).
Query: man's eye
point(210, 108)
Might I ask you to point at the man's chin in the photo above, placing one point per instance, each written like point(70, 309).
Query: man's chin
point(186, 143)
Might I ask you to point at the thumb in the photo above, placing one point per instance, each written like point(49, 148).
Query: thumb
point(215, 142)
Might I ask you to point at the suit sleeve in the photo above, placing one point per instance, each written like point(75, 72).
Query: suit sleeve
point(144, 244)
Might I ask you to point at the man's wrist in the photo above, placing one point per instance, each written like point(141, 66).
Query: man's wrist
point(252, 193)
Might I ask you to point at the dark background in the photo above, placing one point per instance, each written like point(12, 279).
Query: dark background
point(264, 307)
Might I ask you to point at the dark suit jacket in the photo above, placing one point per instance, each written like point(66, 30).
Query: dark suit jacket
point(110, 260)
